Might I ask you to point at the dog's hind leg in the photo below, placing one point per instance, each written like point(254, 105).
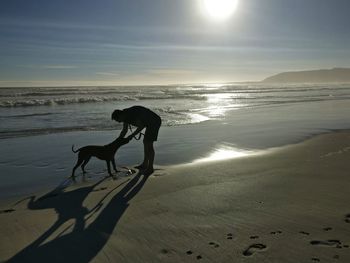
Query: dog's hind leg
point(79, 162)
point(114, 165)
point(109, 167)
point(84, 164)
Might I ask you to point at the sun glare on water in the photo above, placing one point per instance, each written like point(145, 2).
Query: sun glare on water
point(219, 9)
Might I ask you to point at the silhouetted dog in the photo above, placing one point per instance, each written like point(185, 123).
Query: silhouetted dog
point(105, 152)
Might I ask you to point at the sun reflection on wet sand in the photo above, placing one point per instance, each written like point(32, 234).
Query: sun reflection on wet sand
point(225, 152)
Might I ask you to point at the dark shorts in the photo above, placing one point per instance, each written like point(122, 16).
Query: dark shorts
point(151, 133)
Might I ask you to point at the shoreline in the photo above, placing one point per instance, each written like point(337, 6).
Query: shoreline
point(97, 168)
point(288, 205)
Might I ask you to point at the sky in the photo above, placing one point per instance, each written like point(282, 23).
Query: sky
point(142, 42)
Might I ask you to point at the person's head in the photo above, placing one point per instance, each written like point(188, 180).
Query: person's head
point(117, 115)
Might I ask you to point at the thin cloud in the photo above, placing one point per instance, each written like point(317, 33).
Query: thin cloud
point(48, 66)
point(107, 74)
point(58, 67)
point(172, 72)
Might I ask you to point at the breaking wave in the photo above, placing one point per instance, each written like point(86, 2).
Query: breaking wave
point(30, 102)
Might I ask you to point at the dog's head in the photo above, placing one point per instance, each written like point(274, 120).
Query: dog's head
point(121, 141)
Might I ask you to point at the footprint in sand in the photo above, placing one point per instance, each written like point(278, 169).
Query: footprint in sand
point(254, 237)
point(304, 233)
point(6, 211)
point(253, 248)
point(316, 259)
point(276, 232)
point(189, 252)
point(329, 243)
point(347, 218)
point(164, 251)
point(229, 236)
point(327, 229)
point(213, 244)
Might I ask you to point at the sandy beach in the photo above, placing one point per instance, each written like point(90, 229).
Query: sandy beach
point(288, 204)
point(238, 112)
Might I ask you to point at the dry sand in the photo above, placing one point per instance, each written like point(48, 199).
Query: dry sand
point(287, 205)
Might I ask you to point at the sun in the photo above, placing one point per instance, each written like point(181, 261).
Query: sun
point(219, 9)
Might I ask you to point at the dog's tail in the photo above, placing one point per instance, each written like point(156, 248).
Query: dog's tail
point(75, 151)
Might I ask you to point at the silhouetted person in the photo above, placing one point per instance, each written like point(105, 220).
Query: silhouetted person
point(141, 118)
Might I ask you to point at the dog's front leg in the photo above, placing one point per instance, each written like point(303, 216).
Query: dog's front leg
point(114, 165)
point(109, 167)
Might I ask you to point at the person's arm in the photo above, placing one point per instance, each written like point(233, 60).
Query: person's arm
point(139, 129)
point(124, 130)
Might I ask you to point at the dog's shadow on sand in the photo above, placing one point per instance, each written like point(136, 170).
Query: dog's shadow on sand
point(83, 242)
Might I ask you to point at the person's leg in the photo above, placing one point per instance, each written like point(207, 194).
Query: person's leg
point(143, 165)
point(149, 150)
point(151, 135)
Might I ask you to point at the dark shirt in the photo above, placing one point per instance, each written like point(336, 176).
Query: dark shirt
point(140, 117)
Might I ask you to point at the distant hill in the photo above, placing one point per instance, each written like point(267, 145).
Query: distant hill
point(312, 76)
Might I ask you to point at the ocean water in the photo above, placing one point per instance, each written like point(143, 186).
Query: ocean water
point(35, 111)
point(39, 125)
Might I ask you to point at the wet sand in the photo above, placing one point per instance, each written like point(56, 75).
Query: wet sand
point(289, 204)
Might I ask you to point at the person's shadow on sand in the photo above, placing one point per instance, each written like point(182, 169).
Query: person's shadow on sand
point(82, 244)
